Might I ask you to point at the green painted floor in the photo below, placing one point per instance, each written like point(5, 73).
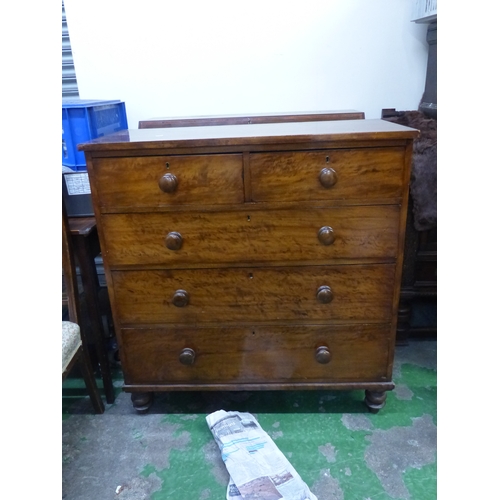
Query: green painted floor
point(339, 449)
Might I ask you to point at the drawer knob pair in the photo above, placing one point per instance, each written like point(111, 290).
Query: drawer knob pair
point(328, 177)
point(173, 240)
point(187, 356)
point(168, 183)
point(324, 295)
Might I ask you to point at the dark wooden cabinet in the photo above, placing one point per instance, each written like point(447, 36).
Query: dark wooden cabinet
point(263, 256)
point(418, 284)
point(418, 305)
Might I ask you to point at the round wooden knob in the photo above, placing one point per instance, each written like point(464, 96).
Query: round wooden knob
point(324, 294)
point(328, 177)
point(323, 355)
point(326, 235)
point(168, 183)
point(173, 240)
point(187, 356)
point(180, 298)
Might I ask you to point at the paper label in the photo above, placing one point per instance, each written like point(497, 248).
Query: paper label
point(77, 184)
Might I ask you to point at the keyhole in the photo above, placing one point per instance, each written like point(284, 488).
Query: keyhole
point(250, 276)
point(327, 159)
point(167, 165)
point(248, 218)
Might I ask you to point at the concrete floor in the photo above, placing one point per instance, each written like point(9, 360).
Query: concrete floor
point(339, 449)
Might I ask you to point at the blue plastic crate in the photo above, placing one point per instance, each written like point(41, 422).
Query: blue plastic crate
point(85, 119)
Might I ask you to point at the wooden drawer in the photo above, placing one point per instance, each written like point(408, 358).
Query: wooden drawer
point(251, 236)
point(201, 179)
point(358, 293)
point(361, 174)
point(262, 354)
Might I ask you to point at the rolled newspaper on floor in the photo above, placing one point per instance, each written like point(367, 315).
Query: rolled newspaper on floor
point(257, 467)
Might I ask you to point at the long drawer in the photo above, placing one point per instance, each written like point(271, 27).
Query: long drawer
point(351, 174)
point(251, 236)
point(348, 293)
point(162, 181)
point(261, 354)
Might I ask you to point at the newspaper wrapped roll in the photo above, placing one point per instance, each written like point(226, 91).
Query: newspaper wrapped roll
point(257, 467)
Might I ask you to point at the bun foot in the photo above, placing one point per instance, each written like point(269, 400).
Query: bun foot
point(142, 401)
point(375, 400)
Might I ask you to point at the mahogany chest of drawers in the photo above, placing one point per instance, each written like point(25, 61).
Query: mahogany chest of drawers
point(254, 257)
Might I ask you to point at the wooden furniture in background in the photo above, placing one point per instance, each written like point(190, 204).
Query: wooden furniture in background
point(418, 281)
point(200, 121)
point(264, 256)
point(74, 343)
point(86, 247)
point(418, 297)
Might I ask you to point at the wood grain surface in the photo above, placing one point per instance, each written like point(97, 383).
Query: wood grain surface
point(370, 174)
point(263, 354)
point(258, 236)
point(203, 179)
point(361, 293)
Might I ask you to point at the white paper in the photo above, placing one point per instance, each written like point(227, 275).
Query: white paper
point(77, 184)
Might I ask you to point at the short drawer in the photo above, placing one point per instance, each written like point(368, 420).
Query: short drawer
point(158, 181)
point(349, 293)
point(253, 236)
point(263, 354)
point(352, 175)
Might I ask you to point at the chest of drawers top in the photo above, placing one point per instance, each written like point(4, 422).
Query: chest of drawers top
point(246, 136)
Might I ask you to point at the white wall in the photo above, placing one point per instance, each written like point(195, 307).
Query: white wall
point(191, 58)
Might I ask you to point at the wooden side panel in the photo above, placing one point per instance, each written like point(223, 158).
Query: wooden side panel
point(360, 293)
point(263, 354)
point(367, 173)
point(253, 236)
